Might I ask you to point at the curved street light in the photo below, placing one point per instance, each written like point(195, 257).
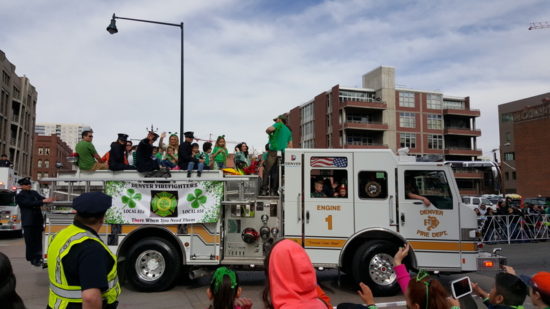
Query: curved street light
point(112, 29)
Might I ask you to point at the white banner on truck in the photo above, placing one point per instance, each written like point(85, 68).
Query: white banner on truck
point(164, 203)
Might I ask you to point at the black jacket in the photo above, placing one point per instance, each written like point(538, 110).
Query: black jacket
point(185, 155)
point(30, 201)
point(116, 157)
point(144, 154)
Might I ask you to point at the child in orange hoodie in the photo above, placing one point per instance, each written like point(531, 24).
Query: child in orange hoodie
point(291, 279)
point(224, 291)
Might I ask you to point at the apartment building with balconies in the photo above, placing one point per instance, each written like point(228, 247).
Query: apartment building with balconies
point(17, 117)
point(381, 115)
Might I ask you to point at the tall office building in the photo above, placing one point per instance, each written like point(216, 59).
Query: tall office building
point(18, 99)
point(381, 115)
point(69, 133)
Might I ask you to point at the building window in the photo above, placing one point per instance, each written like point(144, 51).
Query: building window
point(40, 151)
point(325, 183)
point(514, 175)
point(434, 101)
point(39, 163)
point(507, 117)
point(46, 163)
point(507, 176)
point(47, 151)
point(5, 78)
point(509, 156)
point(453, 104)
point(435, 122)
point(435, 141)
point(407, 120)
point(408, 140)
point(45, 175)
point(360, 96)
point(508, 137)
point(406, 99)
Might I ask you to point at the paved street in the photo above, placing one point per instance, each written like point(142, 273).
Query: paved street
point(32, 283)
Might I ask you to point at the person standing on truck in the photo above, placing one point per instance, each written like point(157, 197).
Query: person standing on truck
point(185, 150)
point(280, 138)
point(117, 155)
point(4, 162)
point(81, 268)
point(32, 220)
point(144, 154)
point(88, 159)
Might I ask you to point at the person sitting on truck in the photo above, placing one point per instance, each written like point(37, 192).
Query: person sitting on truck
point(508, 291)
point(4, 162)
point(117, 154)
point(8, 296)
point(318, 189)
point(291, 281)
point(225, 292)
point(197, 161)
point(242, 160)
point(88, 159)
point(412, 191)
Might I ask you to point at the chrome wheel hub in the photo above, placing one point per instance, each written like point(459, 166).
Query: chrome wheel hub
point(150, 265)
point(381, 269)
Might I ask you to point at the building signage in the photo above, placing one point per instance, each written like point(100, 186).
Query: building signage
point(532, 112)
point(164, 203)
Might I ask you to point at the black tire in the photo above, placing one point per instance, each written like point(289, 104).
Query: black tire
point(162, 270)
point(373, 265)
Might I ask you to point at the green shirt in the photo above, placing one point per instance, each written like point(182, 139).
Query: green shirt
point(206, 157)
point(86, 152)
point(279, 139)
point(222, 156)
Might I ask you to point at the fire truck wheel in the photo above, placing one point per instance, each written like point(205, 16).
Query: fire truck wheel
point(153, 265)
point(373, 265)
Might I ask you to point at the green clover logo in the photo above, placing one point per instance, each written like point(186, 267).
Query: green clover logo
point(196, 199)
point(164, 204)
point(130, 198)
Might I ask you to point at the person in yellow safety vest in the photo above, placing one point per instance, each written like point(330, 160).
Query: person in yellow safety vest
point(81, 268)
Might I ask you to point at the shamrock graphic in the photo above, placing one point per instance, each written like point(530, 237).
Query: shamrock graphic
point(196, 199)
point(130, 198)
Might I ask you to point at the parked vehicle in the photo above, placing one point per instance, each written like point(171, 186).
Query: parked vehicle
point(473, 202)
point(10, 215)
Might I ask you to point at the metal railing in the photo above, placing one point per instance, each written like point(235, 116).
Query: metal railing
point(514, 228)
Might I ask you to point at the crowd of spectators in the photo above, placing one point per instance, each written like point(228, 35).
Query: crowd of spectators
point(508, 221)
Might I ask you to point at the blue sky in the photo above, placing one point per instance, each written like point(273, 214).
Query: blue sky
point(247, 61)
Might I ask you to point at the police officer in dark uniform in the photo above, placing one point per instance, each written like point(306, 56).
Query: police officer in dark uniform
point(117, 154)
point(32, 220)
point(144, 154)
point(86, 276)
point(184, 151)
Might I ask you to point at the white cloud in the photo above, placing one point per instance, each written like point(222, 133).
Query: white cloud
point(244, 65)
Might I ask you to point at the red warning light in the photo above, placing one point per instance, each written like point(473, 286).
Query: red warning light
point(488, 264)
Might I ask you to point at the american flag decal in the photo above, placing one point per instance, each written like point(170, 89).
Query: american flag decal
point(329, 162)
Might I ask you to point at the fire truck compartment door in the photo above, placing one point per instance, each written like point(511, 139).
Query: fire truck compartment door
point(433, 231)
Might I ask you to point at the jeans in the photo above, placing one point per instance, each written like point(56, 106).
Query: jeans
point(167, 163)
point(191, 166)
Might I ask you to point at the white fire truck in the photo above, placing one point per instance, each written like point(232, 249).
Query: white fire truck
point(160, 227)
point(10, 215)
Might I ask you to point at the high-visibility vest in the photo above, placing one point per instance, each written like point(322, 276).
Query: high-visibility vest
point(61, 293)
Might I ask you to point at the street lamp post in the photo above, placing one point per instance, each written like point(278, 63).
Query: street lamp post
point(112, 29)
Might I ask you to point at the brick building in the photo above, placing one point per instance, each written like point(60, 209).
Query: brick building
point(381, 115)
point(49, 156)
point(17, 116)
point(524, 145)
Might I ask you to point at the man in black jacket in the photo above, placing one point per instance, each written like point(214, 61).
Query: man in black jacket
point(117, 154)
point(144, 154)
point(32, 220)
point(184, 151)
